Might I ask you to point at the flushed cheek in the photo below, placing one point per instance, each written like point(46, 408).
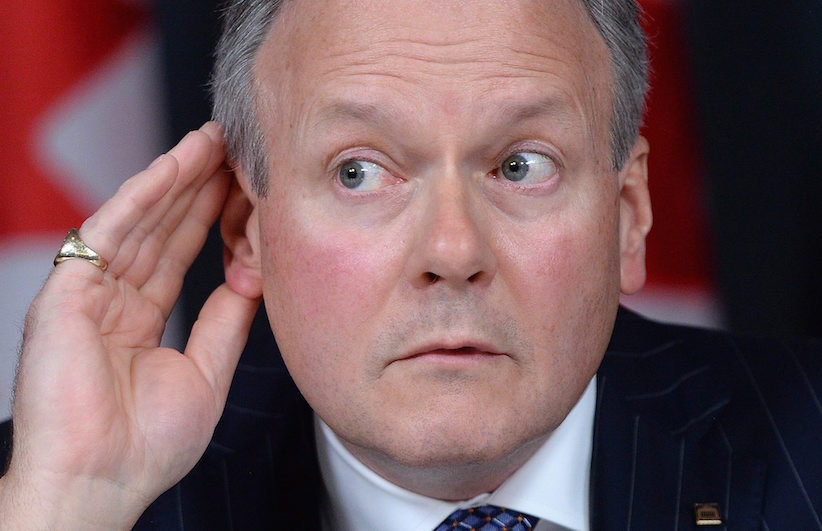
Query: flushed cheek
point(566, 274)
point(328, 285)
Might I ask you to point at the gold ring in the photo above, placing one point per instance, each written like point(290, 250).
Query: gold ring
point(74, 247)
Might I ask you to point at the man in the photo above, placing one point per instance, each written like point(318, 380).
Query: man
point(439, 204)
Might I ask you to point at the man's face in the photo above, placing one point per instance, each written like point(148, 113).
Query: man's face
point(440, 248)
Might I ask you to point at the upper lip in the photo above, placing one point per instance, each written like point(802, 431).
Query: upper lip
point(458, 347)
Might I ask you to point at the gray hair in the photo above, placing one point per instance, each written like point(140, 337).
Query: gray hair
point(618, 23)
point(246, 24)
point(245, 27)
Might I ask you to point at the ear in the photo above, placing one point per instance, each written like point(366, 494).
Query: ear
point(635, 217)
point(240, 230)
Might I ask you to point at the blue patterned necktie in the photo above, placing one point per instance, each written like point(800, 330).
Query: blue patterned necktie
point(487, 518)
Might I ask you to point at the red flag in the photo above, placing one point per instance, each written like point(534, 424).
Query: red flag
point(680, 283)
point(80, 103)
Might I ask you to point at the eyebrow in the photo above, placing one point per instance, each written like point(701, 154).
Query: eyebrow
point(384, 116)
point(549, 106)
point(562, 113)
point(347, 110)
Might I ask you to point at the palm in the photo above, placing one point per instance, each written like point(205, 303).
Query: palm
point(152, 404)
point(97, 397)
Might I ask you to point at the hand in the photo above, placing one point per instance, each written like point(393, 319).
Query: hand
point(104, 419)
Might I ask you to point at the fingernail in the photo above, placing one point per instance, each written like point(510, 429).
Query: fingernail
point(156, 161)
point(211, 126)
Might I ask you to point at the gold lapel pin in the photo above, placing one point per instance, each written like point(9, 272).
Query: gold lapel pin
point(707, 514)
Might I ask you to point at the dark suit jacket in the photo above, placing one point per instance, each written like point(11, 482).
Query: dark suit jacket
point(684, 416)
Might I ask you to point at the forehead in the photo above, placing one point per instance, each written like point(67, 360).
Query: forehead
point(440, 57)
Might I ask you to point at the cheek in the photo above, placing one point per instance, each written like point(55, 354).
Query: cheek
point(315, 278)
point(324, 287)
point(565, 270)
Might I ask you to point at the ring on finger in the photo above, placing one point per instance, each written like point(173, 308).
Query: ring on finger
point(74, 247)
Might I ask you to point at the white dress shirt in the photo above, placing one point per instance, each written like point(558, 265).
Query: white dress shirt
point(552, 485)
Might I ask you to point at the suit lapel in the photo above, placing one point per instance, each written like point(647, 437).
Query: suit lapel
point(659, 447)
point(274, 483)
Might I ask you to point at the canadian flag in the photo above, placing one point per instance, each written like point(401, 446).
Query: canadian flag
point(81, 103)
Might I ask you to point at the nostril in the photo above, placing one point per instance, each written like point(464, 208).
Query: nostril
point(431, 277)
point(475, 276)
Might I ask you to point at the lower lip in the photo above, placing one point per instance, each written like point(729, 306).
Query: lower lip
point(454, 357)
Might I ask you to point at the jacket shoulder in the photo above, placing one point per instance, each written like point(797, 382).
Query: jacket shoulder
point(5, 445)
point(747, 405)
point(637, 337)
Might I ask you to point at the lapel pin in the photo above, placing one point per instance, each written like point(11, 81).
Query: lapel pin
point(707, 514)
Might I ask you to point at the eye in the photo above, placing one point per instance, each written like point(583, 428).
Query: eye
point(363, 176)
point(528, 168)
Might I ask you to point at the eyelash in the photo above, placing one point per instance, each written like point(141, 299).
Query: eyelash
point(351, 155)
point(355, 155)
point(524, 148)
point(529, 148)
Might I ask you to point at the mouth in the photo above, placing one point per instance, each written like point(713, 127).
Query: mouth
point(453, 354)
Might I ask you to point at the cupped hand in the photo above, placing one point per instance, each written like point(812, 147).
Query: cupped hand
point(105, 419)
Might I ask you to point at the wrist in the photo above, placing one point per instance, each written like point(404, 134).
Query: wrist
point(78, 504)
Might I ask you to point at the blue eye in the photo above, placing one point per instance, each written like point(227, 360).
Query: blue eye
point(363, 176)
point(531, 168)
point(352, 174)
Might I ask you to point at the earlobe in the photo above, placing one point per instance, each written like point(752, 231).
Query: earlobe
point(635, 217)
point(240, 231)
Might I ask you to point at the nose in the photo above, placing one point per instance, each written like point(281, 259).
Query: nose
point(453, 239)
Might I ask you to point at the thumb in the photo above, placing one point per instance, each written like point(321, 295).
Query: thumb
point(218, 338)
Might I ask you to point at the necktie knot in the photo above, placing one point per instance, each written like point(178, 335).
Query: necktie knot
point(487, 518)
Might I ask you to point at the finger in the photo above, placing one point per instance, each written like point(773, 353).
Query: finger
point(164, 217)
point(197, 161)
point(218, 338)
point(184, 244)
point(146, 197)
point(141, 249)
point(151, 245)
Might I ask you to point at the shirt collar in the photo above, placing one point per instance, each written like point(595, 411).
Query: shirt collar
point(552, 485)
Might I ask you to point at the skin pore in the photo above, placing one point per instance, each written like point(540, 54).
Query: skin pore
point(418, 286)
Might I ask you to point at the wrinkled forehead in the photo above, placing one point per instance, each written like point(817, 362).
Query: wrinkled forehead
point(452, 55)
